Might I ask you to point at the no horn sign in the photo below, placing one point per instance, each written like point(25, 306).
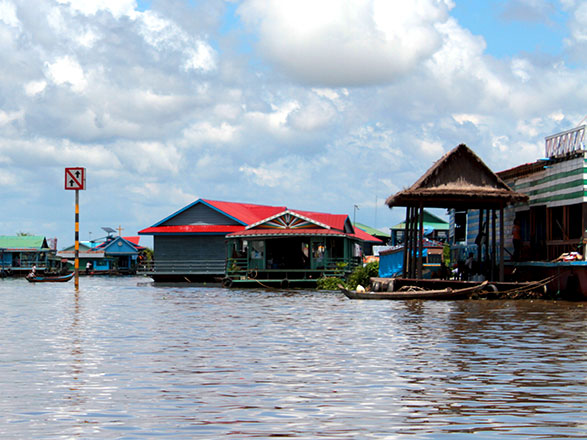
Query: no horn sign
point(75, 178)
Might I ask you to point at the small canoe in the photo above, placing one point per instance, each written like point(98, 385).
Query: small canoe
point(447, 293)
point(50, 278)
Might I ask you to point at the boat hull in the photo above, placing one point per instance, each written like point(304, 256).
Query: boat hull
point(49, 279)
point(444, 294)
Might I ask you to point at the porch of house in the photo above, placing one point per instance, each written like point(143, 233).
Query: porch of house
point(288, 261)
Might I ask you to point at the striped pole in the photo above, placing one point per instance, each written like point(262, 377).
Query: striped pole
point(76, 264)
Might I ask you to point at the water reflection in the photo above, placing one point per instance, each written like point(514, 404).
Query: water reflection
point(121, 360)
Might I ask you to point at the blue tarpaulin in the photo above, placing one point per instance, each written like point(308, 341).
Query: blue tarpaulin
point(391, 265)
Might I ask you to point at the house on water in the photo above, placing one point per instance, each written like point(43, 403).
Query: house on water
point(435, 228)
point(113, 256)
point(211, 240)
point(459, 181)
point(18, 255)
point(552, 224)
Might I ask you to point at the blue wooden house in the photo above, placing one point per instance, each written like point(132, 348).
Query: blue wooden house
point(18, 254)
point(114, 256)
point(123, 252)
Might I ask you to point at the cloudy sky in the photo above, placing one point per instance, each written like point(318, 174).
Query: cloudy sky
point(313, 104)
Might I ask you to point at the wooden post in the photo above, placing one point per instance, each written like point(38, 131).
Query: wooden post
point(413, 255)
point(481, 232)
point(493, 244)
point(406, 235)
point(420, 239)
point(501, 244)
point(76, 264)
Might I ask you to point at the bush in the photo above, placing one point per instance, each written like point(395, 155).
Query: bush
point(362, 274)
point(330, 283)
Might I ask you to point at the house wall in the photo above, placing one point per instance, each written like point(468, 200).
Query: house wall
point(185, 248)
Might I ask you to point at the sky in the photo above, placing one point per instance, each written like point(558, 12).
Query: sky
point(329, 105)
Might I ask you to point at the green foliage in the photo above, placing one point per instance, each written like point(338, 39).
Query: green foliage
point(148, 254)
point(362, 274)
point(333, 283)
point(330, 283)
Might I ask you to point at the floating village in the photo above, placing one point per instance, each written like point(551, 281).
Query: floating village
point(516, 233)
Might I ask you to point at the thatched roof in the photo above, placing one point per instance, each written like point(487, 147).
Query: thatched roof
point(459, 179)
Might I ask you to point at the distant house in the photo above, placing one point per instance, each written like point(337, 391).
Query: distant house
point(87, 254)
point(18, 254)
point(435, 228)
point(382, 237)
point(115, 255)
point(191, 244)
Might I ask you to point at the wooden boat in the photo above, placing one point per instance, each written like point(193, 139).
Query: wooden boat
point(447, 293)
point(50, 278)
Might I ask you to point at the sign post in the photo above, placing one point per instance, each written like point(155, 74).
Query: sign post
point(75, 179)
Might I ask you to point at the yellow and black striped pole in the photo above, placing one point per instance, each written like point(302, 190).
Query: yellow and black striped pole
point(75, 179)
point(76, 263)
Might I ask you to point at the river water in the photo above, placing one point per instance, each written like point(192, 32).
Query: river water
point(124, 359)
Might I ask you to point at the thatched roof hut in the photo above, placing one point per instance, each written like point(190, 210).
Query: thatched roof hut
point(458, 180)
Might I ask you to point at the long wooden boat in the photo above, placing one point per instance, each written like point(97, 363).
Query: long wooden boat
point(447, 293)
point(49, 278)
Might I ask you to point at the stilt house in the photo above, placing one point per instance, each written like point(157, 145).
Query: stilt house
point(459, 181)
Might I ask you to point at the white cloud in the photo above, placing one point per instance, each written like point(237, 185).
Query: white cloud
point(463, 118)
point(8, 14)
point(431, 149)
point(33, 88)
point(117, 8)
point(341, 42)
point(206, 133)
point(165, 35)
point(9, 117)
point(67, 70)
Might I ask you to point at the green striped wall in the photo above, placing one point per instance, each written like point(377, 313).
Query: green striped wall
point(562, 183)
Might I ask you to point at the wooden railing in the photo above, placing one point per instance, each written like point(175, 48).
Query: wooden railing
point(183, 267)
point(238, 267)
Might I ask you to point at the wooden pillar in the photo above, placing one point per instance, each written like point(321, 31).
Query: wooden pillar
point(413, 223)
point(406, 237)
point(480, 234)
point(420, 239)
point(493, 244)
point(501, 244)
point(486, 232)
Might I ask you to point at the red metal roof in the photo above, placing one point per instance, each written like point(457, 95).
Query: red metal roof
point(250, 214)
point(335, 221)
point(192, 229)
point(246, 212)
point(362, 235)
point(135, 239)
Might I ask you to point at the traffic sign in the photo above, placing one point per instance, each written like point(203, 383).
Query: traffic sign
point(75, 178)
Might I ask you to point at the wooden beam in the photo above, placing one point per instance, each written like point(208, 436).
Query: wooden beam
point(406, 232)
point(420, 239)
point(501, 244)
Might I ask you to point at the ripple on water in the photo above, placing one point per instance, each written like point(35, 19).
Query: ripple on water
point(125, 359)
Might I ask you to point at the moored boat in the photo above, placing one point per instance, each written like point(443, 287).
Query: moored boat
point(444, 294)
point(49, 278)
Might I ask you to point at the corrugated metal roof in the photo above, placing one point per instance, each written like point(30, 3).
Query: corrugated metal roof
point(192, 229)
point(362, 235)
point(246, 212)
point(36, 242)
